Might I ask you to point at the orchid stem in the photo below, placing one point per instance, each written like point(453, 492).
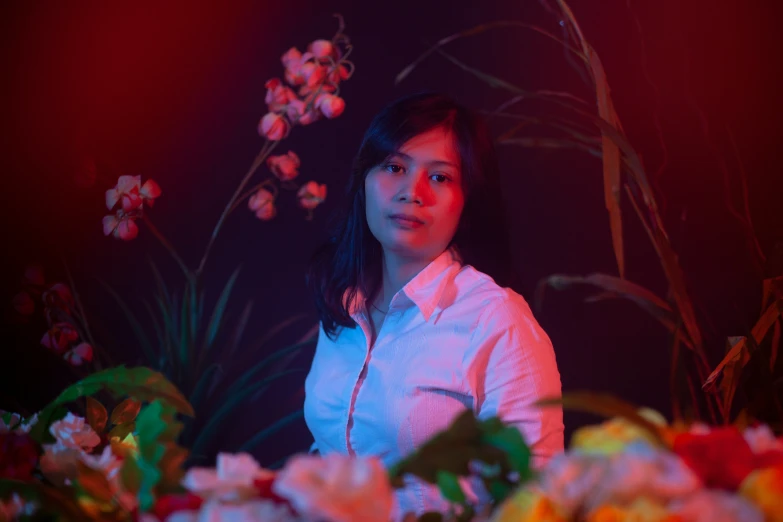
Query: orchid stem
point(168, 246)
point(265, 150)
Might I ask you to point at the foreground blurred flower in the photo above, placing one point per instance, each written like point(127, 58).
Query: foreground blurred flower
point(18, 455)
point(121, 225)
point(131, 193)
point(15, 507)
point(311, 194)
point(285, 166)
point(528, 506)
point(640, 510)
point(263, 204)
point(336, 487)
point(73, 432)
point(764, 488)
point(298, 112)
point(706, 455)
point(16, 423)
point(715, 506)
point(273, 127)
point(614, 435)
point(233, 478)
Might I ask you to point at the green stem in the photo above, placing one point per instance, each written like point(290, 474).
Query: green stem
point(168, 246)
point(265, 150)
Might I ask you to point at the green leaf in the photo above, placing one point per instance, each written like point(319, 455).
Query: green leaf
point(449, 487)
point(140, 383)
point(126, 411)
point(267, 432)
point(96, 415)
point(144, 341)
point(511, 442)
point(217, 313)
point(156, 465)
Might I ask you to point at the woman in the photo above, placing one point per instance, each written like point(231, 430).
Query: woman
point(414, 329)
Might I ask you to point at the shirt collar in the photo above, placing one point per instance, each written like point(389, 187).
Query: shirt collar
point(425, 289)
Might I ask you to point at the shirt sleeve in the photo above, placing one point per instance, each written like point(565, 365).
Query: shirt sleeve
point(513, 366)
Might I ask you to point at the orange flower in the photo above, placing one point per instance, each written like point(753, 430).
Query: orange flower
point(641, 510)
point(764, 488)
point(528, 506)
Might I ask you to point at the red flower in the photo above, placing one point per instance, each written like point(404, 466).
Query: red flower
point(264, 488)
point(721, 458)
point(165, 505)
point(18, 456)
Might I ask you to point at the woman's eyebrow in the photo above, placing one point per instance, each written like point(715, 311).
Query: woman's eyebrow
point(434, 162)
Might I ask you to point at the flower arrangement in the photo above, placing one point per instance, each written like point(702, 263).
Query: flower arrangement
point(632, 467)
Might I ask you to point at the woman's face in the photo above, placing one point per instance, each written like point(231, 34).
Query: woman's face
point(415, 198)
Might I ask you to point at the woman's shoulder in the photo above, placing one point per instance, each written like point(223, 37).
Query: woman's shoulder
point(477, 291)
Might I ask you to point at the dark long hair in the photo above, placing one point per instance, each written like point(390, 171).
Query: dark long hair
point(351, 259)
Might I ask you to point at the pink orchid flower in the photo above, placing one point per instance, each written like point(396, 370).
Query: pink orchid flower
point(331, 106)
point(131, 193)
point(23, 303)
point(121, 226)
point(293, 61)
point(311, 195)
point(278, 95)
point(285, 166)
point(314, 74)
point(273, 127)
point(59, 336)
point(59, 295)
point(80, 354)
point(321, 49)
point(263, 204)
point(296, 112)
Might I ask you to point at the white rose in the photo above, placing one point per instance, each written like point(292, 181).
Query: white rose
point(336, 488)
point(72, 432)
point(232, 479)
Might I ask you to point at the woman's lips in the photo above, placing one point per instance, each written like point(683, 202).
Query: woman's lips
point(406, 222)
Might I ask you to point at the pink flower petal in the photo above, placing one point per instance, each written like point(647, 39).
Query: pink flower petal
point(273, 127)
point(126, 230)
point(127, 184)
point(150, 190)
point(79, 354)
point(321, 49)
point(110, 224)
point(131, 201)
point(112, 197)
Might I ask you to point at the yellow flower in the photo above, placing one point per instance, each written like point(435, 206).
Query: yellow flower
point(124, 447)
point(641, 510)
point(528, 506)
point(614, 435)
point(764, 488)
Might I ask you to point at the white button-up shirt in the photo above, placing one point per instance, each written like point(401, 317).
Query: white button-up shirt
point(452, 339)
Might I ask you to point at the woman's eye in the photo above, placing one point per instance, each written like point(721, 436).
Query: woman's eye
point(391, 168)
point(440, 178)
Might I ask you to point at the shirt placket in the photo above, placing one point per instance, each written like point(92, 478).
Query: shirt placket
point(365, 326)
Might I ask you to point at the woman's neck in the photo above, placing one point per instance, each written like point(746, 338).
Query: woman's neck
point(396, 271)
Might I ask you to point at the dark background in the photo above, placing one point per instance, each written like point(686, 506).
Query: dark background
point(173, 91)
